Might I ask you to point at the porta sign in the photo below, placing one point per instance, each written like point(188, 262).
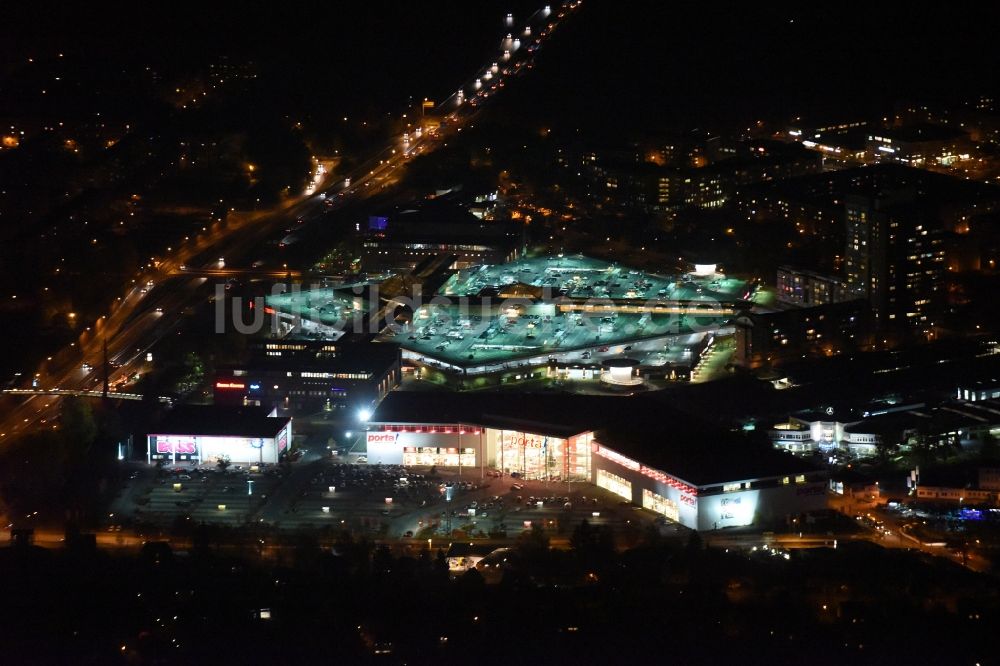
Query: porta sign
point(519, 439)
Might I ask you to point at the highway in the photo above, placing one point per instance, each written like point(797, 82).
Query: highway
point(155, 302)
point(246, 273)
point(79, 393)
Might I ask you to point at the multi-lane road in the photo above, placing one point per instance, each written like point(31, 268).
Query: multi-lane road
point(154, 304)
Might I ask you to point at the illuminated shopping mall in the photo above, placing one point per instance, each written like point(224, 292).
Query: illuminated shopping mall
point(572, 311)
point(698, 476)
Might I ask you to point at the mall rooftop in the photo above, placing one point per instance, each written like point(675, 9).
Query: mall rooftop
point(486, 338)
point(573, 308)
point(581, 277)
point(327, 306)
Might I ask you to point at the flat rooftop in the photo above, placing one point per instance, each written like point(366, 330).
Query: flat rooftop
point(219, 422)
point(706, 458)
point(647, 430)
point(331, 306)
point(363, 357)
point(552, 414)
point(469, 323)
point(461, 338)
point(581, 277)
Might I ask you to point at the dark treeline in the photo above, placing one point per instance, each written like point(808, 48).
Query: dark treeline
point(663, 601)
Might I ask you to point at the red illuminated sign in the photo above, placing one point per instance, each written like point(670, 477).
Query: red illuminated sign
point(518, 439)
point(669, 480)
point(432, 429)
point(382, 437)
point(616, 457)
point(230, 385)
point(179, 446)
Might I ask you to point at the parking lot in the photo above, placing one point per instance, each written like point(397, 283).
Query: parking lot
point(326, 306)
point(204, 494)
point(499, 511)
point(534, 333)
point(327, 494)
point(582, 277)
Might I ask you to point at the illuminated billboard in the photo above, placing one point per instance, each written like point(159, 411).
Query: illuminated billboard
point(440, 448)
point(384, 448)
point(230, 386)
point(196, 448)
point(727, 510)
point(183, 445)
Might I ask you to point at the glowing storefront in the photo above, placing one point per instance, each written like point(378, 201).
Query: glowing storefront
point(539, 456)
point(425, 445)
point(206, 434)
point(706, 504)
point(614, 483)
point(527, 455)
point(713, 482)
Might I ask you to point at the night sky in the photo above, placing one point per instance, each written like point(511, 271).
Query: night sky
point(694, 63)
point(655, 63)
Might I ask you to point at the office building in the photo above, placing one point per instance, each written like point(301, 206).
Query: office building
point(764, 338)
point(400, 239)
point(306, 376)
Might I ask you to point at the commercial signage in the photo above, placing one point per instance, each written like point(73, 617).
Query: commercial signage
point(282, 439)
point(616, 457)
point(383, 437)
point(519, 439)
point(230, 385)
point(668, 480)
point(177, 445)
point(426, 429)
point(731, 510)
point(729, 507)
